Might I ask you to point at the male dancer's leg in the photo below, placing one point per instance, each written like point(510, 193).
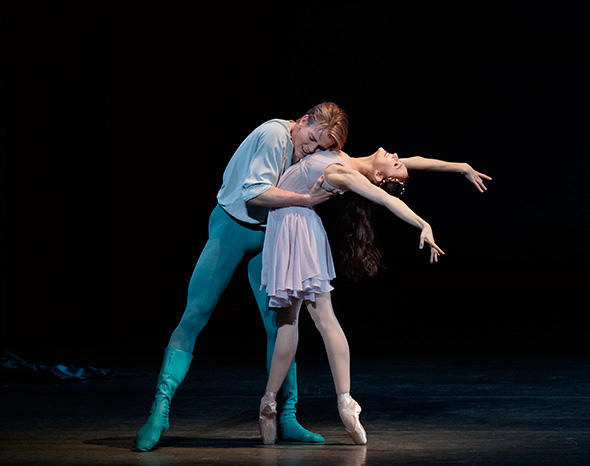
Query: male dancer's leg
point(228, 242)
point(288, 426)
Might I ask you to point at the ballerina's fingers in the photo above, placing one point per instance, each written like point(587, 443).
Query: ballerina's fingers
point(435, 251)
point(477, 180)
point(433, 256)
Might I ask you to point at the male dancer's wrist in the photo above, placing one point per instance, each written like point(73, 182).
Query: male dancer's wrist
point(276, 198)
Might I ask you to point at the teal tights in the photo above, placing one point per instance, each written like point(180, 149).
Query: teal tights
point(229, 243)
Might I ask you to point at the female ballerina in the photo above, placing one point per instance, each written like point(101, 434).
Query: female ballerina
point(298, 266)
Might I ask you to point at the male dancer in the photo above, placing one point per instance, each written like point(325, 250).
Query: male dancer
point(235, 232)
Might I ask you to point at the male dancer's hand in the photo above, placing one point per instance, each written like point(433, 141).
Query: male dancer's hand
point(317, 194)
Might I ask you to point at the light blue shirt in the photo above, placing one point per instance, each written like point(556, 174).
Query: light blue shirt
point(255, 166)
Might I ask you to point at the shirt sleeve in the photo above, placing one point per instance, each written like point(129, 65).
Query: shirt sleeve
point(266, 165)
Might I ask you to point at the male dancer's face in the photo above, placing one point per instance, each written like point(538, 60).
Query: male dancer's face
point(308, 139)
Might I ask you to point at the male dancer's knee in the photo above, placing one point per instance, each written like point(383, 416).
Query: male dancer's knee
point(268, 315)
point(196, 315)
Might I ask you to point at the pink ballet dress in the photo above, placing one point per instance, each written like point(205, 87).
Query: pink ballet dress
point(296, 259)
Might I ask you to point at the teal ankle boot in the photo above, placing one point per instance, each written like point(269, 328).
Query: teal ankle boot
point(289, 428)
point(174, 368)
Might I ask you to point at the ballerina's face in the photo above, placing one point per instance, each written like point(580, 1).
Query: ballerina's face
point(307, 139)
point(388, 165)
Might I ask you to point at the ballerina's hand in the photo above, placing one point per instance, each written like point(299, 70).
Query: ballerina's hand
point(426, 237)
point(475, 177)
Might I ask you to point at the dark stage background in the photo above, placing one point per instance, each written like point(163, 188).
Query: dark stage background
point(120, 122)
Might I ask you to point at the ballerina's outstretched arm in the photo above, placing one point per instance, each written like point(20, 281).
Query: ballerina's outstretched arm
point(423, 163)
point(348, 179)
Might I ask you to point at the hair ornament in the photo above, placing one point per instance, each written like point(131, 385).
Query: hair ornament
point(393, 179)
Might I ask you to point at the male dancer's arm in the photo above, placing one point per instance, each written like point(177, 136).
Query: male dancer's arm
point(423, 163)
point(275, 197)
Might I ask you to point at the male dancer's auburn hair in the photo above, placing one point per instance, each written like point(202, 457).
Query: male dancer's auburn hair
point(329, 117)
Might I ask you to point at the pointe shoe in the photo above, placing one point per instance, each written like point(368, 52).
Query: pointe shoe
point(267, 420)
point(349, 411)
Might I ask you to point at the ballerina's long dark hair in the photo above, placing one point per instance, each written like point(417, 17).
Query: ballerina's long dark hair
point(360, 257)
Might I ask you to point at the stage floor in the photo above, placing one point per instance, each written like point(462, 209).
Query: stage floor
point(427, 411)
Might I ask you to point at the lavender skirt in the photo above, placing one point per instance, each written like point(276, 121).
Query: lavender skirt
point(296, 259)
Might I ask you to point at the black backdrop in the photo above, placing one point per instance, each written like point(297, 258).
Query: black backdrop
point(120, 123)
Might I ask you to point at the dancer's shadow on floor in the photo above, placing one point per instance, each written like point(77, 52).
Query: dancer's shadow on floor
point(128, 443)
point(297, 454)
